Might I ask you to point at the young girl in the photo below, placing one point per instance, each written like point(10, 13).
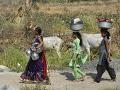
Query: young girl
point(104, 57)
point(77, 57)
point(36, 70)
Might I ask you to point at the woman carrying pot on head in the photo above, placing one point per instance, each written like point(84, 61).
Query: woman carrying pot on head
point(77, 57)
point(36, 69)
point(104, 55)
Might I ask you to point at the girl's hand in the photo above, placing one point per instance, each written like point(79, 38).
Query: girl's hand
point(77, 55)
point(34, 49)
point(110, 54)
point(109, 59)
point(68, 46)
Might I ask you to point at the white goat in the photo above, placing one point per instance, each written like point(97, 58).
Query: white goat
point(53, 42)
point(91, 40)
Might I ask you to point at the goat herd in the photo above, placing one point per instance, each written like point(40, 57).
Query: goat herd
point(89, 41)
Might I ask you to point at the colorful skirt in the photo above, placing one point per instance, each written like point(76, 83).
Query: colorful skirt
point(36, 69)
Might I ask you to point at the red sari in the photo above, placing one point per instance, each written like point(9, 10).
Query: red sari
point(44, 65)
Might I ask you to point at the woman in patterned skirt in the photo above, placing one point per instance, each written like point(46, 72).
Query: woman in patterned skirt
point(36, 70)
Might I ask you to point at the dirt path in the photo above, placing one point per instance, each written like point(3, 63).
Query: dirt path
point(60, 80)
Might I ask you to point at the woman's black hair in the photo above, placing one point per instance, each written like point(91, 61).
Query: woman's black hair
point(38, 30)
point(106, 32)
point(79, 37)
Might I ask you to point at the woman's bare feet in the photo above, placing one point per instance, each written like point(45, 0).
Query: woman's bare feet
point(76, 80)
point(82, 78)
point(22, 80)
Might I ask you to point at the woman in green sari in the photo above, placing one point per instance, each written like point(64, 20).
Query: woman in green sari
point(77, 56)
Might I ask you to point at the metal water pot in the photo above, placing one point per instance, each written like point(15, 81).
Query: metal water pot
point(32, 54)
point(76, 24)
point(35, 56)
point(105, 25)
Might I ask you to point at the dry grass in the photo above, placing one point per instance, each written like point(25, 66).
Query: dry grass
point(61, 9)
